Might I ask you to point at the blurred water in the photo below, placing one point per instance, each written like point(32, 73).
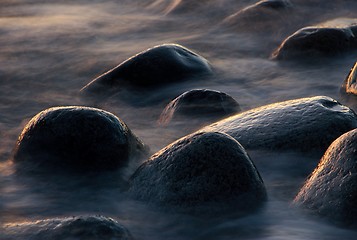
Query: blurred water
point(51, 50)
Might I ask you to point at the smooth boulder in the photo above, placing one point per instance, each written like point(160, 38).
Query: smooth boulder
point(306, 124)
point(265, 10)
point(76, 138)
point(198, 170)
point(199, 103)
point(331, 190)
point(350, 84)
point(260, 16)
point(156, 66)
point(188, 8)
point(323, 40)
point(348, 90)
point(79, 228)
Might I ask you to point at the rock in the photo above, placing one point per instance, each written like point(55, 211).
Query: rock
point(169, 6)
point(206, 8)
point(154, 67)
point(331, 190)
point(274, 4)
point(259, 16)
point(348, 90)
point(200, 103)
point(306, 124)
point(79, 228)
point(75, 138)
point(324, 40)
point(200, 169)
point(184, 6)
point(350, 83)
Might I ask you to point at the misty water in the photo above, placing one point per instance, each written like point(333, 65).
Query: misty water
point(49, 51)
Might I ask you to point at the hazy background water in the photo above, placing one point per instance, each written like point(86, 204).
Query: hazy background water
point(48, 51)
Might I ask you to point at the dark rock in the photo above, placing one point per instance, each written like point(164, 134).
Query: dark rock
point(259, 16)
point(182, 7)
point(274, 4)
point(186, 6)
point(200, 103)
point(175, 6)
point(79, 228)
point(154, 67)
point(331, 190)
point(77, 138)
point(200, 169)
point(306, 124)
point(350, 83)
point(348, 91)
point(324, 40)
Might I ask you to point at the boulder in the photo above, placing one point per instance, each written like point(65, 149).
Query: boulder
point(170, 6)
point(307, 124)
point(348, 90)
point(185, 6)
point(323, 40)
point(260, 16)
point(350, 84)
point(206, 8)
point(200, 103)
point(79, 228)
point(199, 170)
point(154, 67)
point(331, 190)
point(77, 138)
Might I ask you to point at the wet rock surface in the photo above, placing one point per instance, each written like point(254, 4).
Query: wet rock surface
point(331, 190)
point(260, 16)
point(188, 7)
point(323, 40)
point(156, 66)
point(348, 90)
point(200, 169)
point(307, 124)
point(79, 228)
point(80, 139)
point(350, 85)
point(199, 103)
point(184, 6)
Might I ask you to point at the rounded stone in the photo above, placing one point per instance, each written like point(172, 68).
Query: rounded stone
point(186, 6)
point(206, 8)
point(259, 16)
point(324, 40)
point(348, 90)
point(80, 228)
point(274, 4)
point(199, 170)
point(350, 84)
point(200, 103)
point(331, 190)
point(77, 139)
point(156, 66)
point(307, 124)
